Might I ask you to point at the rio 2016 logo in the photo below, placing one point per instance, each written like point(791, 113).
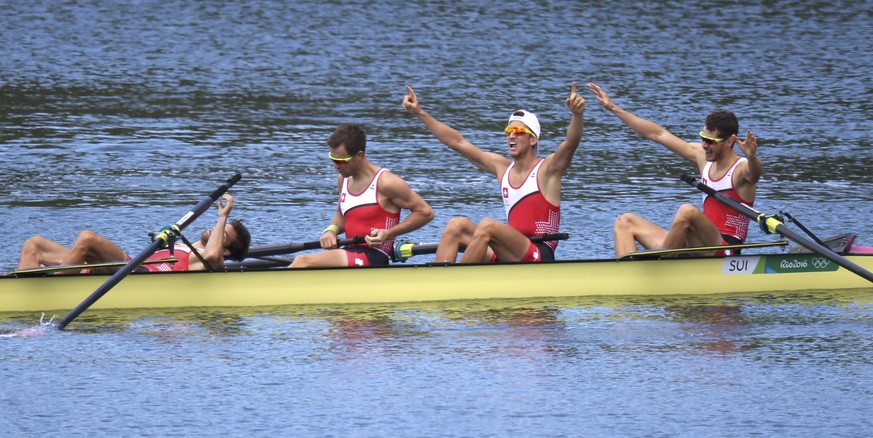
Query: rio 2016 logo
point(805, 264)
point(793, 264)
point(777, 264)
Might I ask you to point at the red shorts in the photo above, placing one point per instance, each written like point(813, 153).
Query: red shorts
point(536, 252)
point(362, 256)
point(725, 242)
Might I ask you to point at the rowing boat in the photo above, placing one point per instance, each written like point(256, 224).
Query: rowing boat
point(649, 273)
point(818, 266)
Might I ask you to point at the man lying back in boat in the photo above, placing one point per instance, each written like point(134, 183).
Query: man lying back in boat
point(226, 240)
point(370, 201)
point(530, 188)
point(720, 168)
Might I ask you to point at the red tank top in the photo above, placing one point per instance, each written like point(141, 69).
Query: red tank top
point(727, 220)
point(363, 214)
point(180, 252)
point(527, 210)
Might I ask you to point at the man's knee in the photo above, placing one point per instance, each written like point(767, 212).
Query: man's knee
point(32, 244)
point(456, 227)
point(90, 245)
point(301, 261)
point(87, 235)
point(686, 213)
point(624, 222)
point(488, 227)
point(36, 245)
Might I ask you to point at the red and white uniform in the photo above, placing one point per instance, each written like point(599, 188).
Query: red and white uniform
point(180, 252)
point(728, 221)
point(527, 210)
point(363, 214)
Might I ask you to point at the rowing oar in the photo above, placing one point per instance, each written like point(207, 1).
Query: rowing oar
point(160, 240)
point(771, 225)
point(264, 253)
point(288, 248)
point(403, 251)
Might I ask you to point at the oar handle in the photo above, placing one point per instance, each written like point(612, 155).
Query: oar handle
point(156, 244)
point(403, 251)
point(770, 224)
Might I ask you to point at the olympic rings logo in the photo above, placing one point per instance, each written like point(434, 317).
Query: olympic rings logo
point(820, 262)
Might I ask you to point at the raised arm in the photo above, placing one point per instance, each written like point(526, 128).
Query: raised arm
point(485, 161)
point(397, 193)
point(563, 155)
point(651, 130)
point(213, 252)
point(755, 168)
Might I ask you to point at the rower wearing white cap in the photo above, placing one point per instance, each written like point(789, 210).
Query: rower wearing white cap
point(530, 187)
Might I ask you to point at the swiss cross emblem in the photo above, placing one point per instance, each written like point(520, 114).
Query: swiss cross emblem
point(505, 192)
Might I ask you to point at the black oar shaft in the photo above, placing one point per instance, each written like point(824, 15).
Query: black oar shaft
point(288, 248)
point(773, 225)
point(156, 244)
point(430, 248)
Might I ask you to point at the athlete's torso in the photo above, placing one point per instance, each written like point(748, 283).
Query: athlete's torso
point(527, 210)
point(363, 214)
point(180, 251)
point(728, 221)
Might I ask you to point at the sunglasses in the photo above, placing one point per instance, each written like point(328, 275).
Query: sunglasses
point(711, 140)
point(339, 161)
point(517, 130)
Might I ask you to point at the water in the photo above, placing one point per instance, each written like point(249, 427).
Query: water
point(121, 116)
point(777, 365)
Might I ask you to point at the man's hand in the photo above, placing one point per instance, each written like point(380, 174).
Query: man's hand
point(575, 102)
point(750, 145)
point(410, 102)
point(224, 208)
point(376, 238)
point(602, 97)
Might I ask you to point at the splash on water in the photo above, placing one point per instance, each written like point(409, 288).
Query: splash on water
point(36, 330)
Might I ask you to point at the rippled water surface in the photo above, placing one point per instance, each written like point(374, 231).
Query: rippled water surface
point(770, 365)
point(119, 116)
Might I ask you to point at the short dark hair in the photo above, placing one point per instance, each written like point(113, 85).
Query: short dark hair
point(723, 123)
point(239, 248)
point(349, 135)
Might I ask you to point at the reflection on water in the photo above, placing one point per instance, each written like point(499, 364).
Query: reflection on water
point(475, 361)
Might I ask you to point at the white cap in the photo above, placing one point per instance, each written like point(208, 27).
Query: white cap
point(529, 120)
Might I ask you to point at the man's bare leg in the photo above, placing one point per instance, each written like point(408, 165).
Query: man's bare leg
point(630, 229)
point(458, 231)
point(38, 251)
point(495, 237)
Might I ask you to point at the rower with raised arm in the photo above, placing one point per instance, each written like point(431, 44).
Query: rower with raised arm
point(228, 239)
point(720, 168)
point(370, 201)
point(530, 187)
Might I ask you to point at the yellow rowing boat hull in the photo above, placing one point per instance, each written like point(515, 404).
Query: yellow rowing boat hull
point(428, 282)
